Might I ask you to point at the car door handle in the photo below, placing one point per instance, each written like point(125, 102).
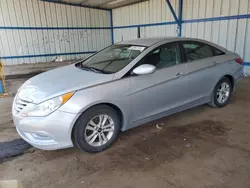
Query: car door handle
point(179, 74)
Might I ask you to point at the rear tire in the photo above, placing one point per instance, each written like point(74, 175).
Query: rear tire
point(96, 129)
point(222, 93)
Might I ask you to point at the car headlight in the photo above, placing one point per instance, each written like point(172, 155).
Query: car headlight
point(48, 106)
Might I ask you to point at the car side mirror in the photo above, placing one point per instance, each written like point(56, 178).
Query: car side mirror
point(144, 69)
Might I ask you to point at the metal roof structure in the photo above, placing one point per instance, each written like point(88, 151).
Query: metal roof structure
point(101, 4)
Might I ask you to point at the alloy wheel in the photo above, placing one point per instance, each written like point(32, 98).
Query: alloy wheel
point(99, 130)
point(223, 92)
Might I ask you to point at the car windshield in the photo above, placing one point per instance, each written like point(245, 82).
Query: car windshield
point(112, 59)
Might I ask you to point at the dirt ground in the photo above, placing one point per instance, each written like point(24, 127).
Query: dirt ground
point(201, 147)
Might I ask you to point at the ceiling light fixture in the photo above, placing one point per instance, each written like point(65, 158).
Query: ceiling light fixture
point(115, 2)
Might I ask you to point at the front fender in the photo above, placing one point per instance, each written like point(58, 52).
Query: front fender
point(115, 93)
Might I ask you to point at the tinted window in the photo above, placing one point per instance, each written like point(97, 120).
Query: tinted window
point(194, 51)
point(164, 56)
point(217, 52)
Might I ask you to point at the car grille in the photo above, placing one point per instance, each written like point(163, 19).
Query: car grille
point(19, 105)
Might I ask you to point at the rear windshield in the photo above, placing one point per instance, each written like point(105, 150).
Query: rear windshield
point(113, 58)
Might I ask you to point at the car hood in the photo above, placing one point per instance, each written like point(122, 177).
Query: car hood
point(60, 81)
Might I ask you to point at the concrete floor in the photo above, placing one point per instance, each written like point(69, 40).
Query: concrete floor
point(201, 147)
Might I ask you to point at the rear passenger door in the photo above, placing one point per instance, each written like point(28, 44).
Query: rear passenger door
point(201, 64)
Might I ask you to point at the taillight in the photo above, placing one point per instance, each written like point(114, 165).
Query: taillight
point(239, 60)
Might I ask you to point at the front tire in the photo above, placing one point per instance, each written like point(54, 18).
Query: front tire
point(96, 129)
point(222, 93)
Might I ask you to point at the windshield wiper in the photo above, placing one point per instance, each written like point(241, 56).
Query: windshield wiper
point(93, 69)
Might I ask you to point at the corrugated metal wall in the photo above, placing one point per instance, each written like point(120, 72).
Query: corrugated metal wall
point(225, 30)
point(234, 34)
point(148, 12)
point(36, 31)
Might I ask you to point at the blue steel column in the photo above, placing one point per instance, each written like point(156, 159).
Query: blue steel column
point(1, 87)
point(180, 18)
point(111, 26)
point(172, 11)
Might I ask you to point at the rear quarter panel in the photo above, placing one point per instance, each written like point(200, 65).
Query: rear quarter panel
point(226, 65)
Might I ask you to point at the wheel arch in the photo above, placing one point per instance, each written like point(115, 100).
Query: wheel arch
point(212, 100)
point(231, 78)
point(118, 110)
point(113, 106)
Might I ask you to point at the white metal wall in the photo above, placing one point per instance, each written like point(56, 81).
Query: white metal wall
point(152, 11)
point(234, 34)
point(49, 29)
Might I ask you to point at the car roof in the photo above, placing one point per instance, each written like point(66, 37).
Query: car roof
point(147, 41)
point(154, 40)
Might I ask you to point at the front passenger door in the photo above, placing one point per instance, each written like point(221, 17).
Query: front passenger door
point(154, 94)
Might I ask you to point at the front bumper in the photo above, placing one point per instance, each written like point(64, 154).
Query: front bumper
point(51, 132)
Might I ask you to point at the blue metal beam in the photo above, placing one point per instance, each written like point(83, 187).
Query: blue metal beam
point(111, 26)
point(172, 11)
point(246, 64)
point(1, 87)
point(180, 18)
point(221, 18)
point(144, 25)
point(46, 55)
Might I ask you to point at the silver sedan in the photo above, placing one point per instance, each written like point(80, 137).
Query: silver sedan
point(130, 83)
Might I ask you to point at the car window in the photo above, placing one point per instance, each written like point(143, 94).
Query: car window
point(217, 52)
point(195, 51)
point(164, 56)
point(113, 58)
